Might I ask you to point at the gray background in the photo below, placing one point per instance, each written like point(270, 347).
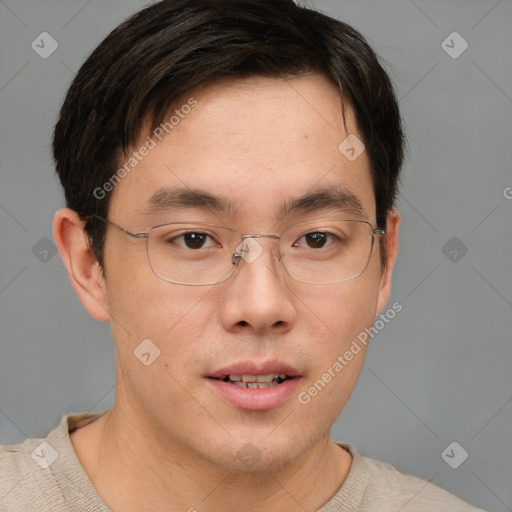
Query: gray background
point(439, 372)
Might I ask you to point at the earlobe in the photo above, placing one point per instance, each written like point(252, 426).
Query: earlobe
point(84, 271)
point(392, 226)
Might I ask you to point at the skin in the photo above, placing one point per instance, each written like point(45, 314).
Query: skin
point(170, 443)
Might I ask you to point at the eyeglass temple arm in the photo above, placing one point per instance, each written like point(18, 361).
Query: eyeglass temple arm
point(125, 231)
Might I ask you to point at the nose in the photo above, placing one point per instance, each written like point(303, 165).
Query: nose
point(258, 296)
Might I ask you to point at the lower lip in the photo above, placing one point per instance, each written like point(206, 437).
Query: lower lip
point(255, 399)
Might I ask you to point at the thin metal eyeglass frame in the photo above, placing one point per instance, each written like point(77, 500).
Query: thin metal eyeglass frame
point(237, 256)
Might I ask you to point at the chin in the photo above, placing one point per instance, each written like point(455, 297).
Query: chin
point(251, 456)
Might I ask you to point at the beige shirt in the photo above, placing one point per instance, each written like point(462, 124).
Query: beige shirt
point(43, 475)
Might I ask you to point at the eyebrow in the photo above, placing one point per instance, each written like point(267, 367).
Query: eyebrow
point(335, 198)
point(185, 197)
point(338, 198)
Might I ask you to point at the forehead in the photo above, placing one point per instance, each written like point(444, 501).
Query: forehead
point(257, 144)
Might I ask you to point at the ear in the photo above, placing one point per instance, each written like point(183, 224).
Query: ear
point(391, 241)
point(84, 271)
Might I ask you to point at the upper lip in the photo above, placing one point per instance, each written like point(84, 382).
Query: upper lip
point(252, 368)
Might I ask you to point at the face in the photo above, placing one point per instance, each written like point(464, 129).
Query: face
point(257, 144)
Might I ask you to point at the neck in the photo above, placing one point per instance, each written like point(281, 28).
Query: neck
point(134, 468)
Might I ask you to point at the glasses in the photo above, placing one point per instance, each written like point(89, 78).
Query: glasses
point(200, 254)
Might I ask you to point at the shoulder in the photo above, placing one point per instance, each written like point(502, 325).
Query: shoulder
point(41, 473)
point(412, 492)
point(23, 479)
point(388, 488)
point(15, 458)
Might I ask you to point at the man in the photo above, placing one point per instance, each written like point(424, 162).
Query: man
point(230, 169)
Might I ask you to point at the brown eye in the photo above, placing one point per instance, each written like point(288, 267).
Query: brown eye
point(316, 240)
point(194, 240)
point(191, 240)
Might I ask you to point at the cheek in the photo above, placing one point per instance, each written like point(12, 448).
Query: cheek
point(142, 300)
point(157, 330)
point(341, 311)
point(335, 324)
point(144, 307)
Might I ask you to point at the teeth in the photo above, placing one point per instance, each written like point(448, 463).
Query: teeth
point(264, 385)
point(265, 378)
point(253, 378)
point(256, 385)
point(257, 378)
point(256, 381)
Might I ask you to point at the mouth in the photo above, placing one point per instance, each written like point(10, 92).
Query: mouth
point(255, 381)
point(257, 387)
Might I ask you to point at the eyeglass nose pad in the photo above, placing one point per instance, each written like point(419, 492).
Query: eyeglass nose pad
point(239, 253)
point(249, 250)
